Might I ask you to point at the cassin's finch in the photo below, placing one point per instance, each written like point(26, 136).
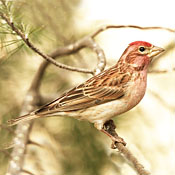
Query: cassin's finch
point(106, 95)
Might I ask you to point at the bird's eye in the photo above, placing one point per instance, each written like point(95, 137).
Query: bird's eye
point(141, 49)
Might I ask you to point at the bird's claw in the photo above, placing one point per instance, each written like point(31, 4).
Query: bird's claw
point(117, 140)
point(109, 130)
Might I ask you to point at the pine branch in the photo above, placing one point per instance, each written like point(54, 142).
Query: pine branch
point(33, 97)
point(71, 48)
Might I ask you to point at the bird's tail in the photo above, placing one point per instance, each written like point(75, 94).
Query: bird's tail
point(22, 118)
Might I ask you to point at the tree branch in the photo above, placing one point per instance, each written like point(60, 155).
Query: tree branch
point(105, 27)
point(127, 154)
point(110, 129)
point(33, 97)
point(84, 42)
point(46, 57)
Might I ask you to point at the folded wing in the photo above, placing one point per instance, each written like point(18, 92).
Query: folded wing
point(97, 90)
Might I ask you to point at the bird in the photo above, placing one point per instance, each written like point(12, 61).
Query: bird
point(110, 93)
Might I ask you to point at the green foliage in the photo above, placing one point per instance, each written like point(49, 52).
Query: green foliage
point(9, 40)
point(48, 25)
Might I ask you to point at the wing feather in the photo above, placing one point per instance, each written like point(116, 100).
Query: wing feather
point(97, 90)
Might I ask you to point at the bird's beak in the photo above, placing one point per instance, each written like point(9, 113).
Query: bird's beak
point(155, 51)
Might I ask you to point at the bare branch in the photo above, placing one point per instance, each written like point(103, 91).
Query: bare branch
point(100, 55)
point(46, 57)
point(105, 27)
point(22, 135)
point(110, 129)
point(27, 172)
point(34, 143)
point(78, 45)
point(70, 49)
point(33, 97)
point(86, 41)
point(127, 154)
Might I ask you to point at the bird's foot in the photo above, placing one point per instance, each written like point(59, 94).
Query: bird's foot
point(109, 130)
point(117, 140)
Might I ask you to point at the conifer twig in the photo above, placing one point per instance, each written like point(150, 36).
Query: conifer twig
point(33, 98)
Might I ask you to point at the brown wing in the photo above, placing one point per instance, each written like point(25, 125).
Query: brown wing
point(107, 86)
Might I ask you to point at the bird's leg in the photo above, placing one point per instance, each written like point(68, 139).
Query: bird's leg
point(109, 130)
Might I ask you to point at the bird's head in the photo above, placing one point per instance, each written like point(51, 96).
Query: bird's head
point(139, 54)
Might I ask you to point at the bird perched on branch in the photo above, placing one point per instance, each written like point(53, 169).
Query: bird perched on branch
point(107, 94)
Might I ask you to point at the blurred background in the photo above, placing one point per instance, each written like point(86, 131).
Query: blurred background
point(70, 147)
